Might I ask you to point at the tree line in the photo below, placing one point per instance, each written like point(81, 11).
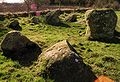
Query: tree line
point(85, 3)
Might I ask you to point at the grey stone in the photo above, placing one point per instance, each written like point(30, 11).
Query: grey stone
point(52, 17)
point(18, 47)
point(63, 64)
point(15, 25)
point(101, 23)
point(35, 20)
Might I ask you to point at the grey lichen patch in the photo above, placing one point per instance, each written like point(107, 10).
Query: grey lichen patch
point(101, 23)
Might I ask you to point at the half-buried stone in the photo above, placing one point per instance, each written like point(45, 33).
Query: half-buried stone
point(63, 64)
point(71, 18)
point(18, 47)
point(2, 17)
point(15, 25)
point(100, 24)
point(35, 20)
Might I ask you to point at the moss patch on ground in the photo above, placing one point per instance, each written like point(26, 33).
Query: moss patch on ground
point(103, 57)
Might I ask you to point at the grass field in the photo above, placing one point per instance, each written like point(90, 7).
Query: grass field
point(103, 57)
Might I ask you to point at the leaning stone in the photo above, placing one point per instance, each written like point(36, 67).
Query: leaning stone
point(100, 23)
point(18, 47)
point(52, 18)
point(62, 63)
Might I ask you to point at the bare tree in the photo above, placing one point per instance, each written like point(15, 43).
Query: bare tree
point(28, 3)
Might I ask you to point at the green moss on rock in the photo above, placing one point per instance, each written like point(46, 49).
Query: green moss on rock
point(100, 23)
point(52, 17)
point(18, 47)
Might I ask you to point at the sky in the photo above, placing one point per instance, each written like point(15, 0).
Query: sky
point(12, 1)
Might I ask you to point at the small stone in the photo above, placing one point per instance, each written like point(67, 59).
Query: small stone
point(35, 20)
point(15, 25)
point(2, 17)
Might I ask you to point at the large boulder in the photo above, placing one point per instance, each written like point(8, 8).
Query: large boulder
point(18, 47)
point(52, 17)
point(63, 64)
point(15, 25)
point(101, 23)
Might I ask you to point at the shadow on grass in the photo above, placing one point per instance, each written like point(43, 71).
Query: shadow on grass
point(64, 25)
point(60, 24)
point(115, 39)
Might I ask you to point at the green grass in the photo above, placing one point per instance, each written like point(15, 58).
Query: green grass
point(104, 58)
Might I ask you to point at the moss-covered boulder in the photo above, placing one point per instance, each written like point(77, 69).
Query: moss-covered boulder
point(15, 25)
point(71, 18)
point(52, 17)
point(62, 64)
point(101, 23)
point(18, 47)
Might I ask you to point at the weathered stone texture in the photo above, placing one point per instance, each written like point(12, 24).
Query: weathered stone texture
point(100, 23)
point(52, 17)
point(63, 64)
point(18, 47)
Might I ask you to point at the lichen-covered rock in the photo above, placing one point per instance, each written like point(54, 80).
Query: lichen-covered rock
point(18, 47)
point(52, 17)
point(35, 20)
point(71, 18)
point(63, 64)
point(100, 23)
point(15, 25)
